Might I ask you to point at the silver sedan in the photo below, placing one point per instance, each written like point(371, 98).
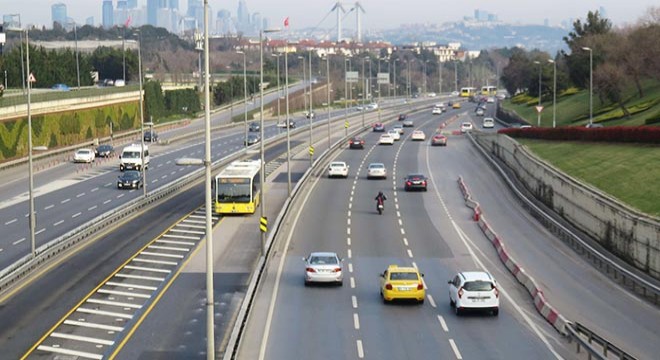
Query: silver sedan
point(323, 267)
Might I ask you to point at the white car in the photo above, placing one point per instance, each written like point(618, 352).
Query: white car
point(84, 156)
point(323, 267)
point(386, 139)
point(488, 123)
point(338, 168)
point(395, 134)
point(418, 135)
point(437, 110)
point(399, 128)
point(376, 170)
point(466, 126)
point(474, 290)
point(490, 99)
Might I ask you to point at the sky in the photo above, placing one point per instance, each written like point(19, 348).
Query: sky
point(380, 14)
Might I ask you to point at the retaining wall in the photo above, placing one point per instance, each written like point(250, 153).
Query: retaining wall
point(627, 233)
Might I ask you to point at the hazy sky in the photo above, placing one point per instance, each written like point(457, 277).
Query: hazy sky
point(379, 13)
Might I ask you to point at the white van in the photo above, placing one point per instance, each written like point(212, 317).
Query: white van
point(130, 157)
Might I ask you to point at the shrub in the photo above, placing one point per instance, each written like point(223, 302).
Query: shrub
point(616, 134)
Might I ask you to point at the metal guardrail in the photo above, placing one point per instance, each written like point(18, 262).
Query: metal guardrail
point(585, 338)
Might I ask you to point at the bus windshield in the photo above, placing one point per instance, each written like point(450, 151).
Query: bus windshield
point(233, 190)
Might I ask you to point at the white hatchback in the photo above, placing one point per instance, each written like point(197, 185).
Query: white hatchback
point(386, 139)
point(395, 134)
point(338, 168)
point(474, 290)
point(376, 170)
point(418, 135)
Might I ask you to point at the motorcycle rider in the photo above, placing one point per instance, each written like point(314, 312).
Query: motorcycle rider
point(380, 201)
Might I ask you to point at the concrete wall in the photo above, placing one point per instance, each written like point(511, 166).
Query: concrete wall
point(630, 234)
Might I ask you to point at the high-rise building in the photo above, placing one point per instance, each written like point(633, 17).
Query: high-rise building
point(224, 23)
point(89, 21)
point(11, 21)
point(243, 16)
point(174, 4)
point(58, 12)
point(256, 22)
point(108, 14)
point(121, 13)
point(152, 12)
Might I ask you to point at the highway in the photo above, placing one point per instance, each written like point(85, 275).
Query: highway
point(434, 231)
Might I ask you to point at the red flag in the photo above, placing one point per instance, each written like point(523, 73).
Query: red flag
point(128, 22)
point(286, 22)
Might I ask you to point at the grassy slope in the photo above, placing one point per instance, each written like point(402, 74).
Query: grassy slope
point(628, 172)
point(574, 109)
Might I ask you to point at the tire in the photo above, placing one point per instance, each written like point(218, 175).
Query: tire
point(458, 311)
point(420, 302)
point(340, 283)
point(451, 303)
point(496, 312)
point(306, 283)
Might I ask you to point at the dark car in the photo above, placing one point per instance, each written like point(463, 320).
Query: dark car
point(402, 117)
point(379, 127)
point(104, 151)
point(252, 139)
point(254, 126)
point(415, 182)
point(130, 179)
point(356, 143)
point(309, 115)
point(150, 136)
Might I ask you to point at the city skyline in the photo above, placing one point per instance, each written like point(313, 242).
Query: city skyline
point(380, 14)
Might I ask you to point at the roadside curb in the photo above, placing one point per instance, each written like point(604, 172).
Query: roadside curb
point(543, 307)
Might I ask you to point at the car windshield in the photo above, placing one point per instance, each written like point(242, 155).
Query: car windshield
point(131, 175)
point(323, 260)
point(478, 286)
point(403, 276)
point(130, 155)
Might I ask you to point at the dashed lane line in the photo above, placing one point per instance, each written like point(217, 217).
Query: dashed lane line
point(455, 348)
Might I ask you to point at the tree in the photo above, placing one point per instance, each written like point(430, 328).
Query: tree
point(610, 81)
point(578, 62)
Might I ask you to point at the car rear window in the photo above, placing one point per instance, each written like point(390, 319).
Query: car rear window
point(323, 260)
point(403, 276)
point(478, 286)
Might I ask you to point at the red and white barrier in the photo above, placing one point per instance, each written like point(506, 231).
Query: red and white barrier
point(544, 308)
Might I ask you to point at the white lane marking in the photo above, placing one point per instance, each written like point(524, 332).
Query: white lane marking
point(105, 313)
point(1, 249)
point(58, 223)
point(410, 255)
point(40, 231)
point(87, 324)
point(403, 232)
point(79, 195)
point(75, 353)
point(455, 348)
point(352, 282)
point(65, 201)
point(359, 349)
point(349, 253)
point(131, 286)
point(414, 264)
point(354, 301)
point(350, 199)
point(76, 215)
point(348, 231)
point(94, 189)
point(348, 221)
point(396, 205)
point(92, 208)
point(466, 242)
point(405, 241)
point(356, 321)
point(443, 323)
point(350, 267)
point(431, 301)
point(11, 221)
point(18, 241)
point(49, 207)
point(398, 214)
point(350, 205)
point(107, 201)
point(348, 241)
point(349, 213)
point(400, 222)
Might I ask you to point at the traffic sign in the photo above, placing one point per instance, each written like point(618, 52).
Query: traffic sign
point(346, 124)
point(352, 76)
point(263, 224)
point(383, 78)
point(311, 150)
point(539, 108)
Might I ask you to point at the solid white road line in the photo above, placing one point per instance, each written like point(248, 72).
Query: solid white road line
point(455, 348)
point(188, 243)
point(140, 268)
point(139, 277)
point(169, 248)
point(163, 255)
point(443, 323)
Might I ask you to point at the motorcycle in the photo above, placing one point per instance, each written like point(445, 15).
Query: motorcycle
point(380, 207)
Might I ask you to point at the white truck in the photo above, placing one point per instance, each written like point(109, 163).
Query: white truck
point(131, 159)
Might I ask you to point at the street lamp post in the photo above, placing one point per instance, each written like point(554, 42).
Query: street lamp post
point(261, 128)
point(75, 35)
point(554, 92)
point(456, 76)
point(244, 96)
point(346, 60)
point(311, 117)
point(424, 75)
point(591, 84)
point(439, 76)
point(288, 135)
point(278, 86)
point(32, 218)
point(304, 74)
point(538, 122)
point(364, 89)
point(395, 92)
point(327, 75)
point(142, 168)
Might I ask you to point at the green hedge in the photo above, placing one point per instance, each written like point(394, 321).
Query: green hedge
point(66, 128)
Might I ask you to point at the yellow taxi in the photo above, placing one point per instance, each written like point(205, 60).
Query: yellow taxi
point(456, 105)
point(401, 283)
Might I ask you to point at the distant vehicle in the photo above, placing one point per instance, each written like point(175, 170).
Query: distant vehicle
point(456, 105)
point(252, 139)
point(83, 156)
point(120, 83)
point(356, 143)
point(394, 134)
point(338, 168)
point(131, 179)
point(292, 124)
point(309, 115)
point(402, 117)
point(418, 135)
point(376, 170)
point(379, 127)
point(415, 182)
point(108, 82)
point(408, 123)
point(372, 106)
point(474, 290)
point(386, 139)
point(468, 91)
point(131, 157)
point(150, 136)
point(488, 123)
point(436, 110)
point(60, 87)
point(480, 112)
point(489, 90)
point(402, 283)
point(399, 128)
point(254, 126)
point(490, 100)
point(323, 267)
point(439, 140)
point(466, 126)
point(454, 93)
point(432, 94)
point(104, 151)
point(593, 126)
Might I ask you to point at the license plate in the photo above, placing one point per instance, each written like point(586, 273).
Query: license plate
point(404, 288)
